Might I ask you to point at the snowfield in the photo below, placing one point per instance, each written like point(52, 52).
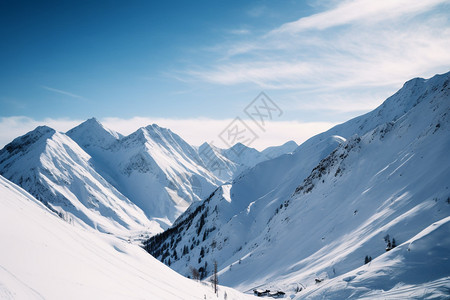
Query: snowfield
point(44, 257)
point(394, 275)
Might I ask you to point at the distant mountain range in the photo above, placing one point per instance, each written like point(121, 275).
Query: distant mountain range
point(125, 185)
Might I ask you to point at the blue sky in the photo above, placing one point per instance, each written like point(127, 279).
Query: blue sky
point(194, 66)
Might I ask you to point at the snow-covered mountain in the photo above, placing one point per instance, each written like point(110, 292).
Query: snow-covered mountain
point(158, 171)
point(226, 164)
point(92, 135)
point(220, 165)
point(96, 177)
point(43, 257)
point(275, 151)
point(155, 168)
point(339, 197)
point(54, 169)
point(243, 155)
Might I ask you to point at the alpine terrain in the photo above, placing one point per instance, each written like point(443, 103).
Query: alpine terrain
point(131, 186)
point(44, 257)
point(225, 150)
point(359, 211)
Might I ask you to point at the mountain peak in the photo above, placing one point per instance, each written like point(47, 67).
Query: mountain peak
point(290, 143)
point(157, 129)
point(92, 120)
point(153, 134)
point(154, 126)
point(43, 129)
point(89, 123)
point(239, 147)
point(92, 133)
point(274, 151)
point(205, 147)
point(205, 144)
point(23, 142)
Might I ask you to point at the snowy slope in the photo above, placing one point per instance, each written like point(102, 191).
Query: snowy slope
point(244, 156)
point(110, 182)
point(221, 166)
point(388, 175)
point(275, 151)
point(227, 164)
point(43, 257)
point(92, 134)
point(248, 203)
point(417, 269)
point(153, 167)
point(53, 168)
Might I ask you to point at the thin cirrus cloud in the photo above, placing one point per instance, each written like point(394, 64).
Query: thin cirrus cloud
point(65, 93)
point(359, 11)
point(358, 44)
point(276, 133)
point(240, 31)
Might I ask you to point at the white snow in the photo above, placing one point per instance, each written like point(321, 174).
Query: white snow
point(130, 186)
point(43, 257)
point(416, 269)
point(153, 167)
point(316, 213)
point(275, 151)
point(301, 222)
point(227, 164)
point(51, 166)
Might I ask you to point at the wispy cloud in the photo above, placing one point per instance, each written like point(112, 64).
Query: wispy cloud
point(355, 45)
point(65, 93)
point(367, 11)
point(195, 130)
point(241, 31)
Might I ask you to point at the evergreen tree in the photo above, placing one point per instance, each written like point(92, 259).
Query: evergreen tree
point(195, 273)
point(175, 255)
point(215, 278)
point(202, 272)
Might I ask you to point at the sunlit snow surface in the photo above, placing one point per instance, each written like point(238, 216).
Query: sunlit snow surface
point(316, 213)
point(44, 257)
point(313, 214)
